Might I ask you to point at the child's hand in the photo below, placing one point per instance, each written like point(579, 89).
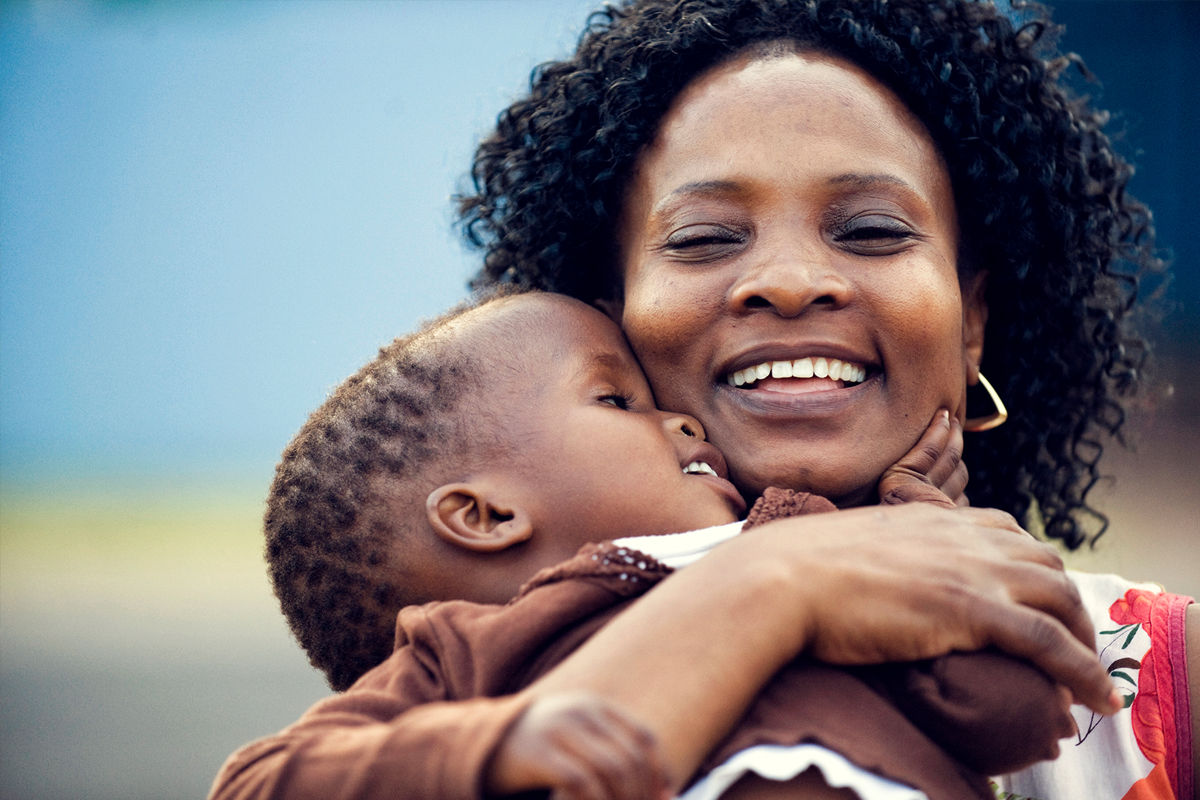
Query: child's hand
point(581, 747)
point(933, 471)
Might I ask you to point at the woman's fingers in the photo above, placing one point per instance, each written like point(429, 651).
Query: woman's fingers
point(1044, 641)
point(918, 581)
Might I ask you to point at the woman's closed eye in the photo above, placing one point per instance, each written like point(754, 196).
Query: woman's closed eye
point(701, 242)
point(875, 235)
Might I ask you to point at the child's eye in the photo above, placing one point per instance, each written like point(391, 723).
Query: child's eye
point(621, 401)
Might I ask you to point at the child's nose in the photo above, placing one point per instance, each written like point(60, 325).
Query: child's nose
point(682, 423)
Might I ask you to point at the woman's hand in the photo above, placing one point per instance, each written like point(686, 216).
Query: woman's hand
point(901, 583)
point(867, 585)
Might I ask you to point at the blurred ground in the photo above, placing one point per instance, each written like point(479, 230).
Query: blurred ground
point(142, 644)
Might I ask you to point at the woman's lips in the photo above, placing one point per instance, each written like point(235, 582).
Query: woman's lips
point(798, 385)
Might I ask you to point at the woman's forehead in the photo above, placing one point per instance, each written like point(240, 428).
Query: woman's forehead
point(828, 106)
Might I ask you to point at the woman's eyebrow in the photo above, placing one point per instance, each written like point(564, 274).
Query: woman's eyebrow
point(711, 188)
point(866, 181)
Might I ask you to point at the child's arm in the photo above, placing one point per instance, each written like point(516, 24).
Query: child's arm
point(582, 748)
point(404, 731)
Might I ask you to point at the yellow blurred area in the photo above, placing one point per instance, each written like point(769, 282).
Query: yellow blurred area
point(189, 553)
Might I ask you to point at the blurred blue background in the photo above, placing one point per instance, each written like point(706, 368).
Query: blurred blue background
point(210, 214)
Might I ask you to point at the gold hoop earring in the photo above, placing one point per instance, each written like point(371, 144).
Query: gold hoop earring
point(993, 420)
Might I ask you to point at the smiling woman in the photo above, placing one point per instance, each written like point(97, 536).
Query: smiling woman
point(1033, 198)
point(835, 207)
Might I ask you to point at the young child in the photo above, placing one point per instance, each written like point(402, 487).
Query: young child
point(516, 439)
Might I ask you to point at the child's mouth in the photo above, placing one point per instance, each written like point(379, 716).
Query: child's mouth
point(800, 376)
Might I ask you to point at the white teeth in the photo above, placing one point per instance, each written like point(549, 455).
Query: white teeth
point(820, 367)
point(699, 468)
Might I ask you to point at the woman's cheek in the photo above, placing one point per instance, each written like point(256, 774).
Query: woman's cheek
point(670, 330)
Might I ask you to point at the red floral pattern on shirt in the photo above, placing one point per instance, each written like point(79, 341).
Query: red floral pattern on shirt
point(1133, 608)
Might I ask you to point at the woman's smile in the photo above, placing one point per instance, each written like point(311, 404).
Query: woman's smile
point(799, 292)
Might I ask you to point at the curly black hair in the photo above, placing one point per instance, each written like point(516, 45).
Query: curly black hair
point(331, 533)
point(1040, 192)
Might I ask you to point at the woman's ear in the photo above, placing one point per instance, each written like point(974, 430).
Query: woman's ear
point(467, 515)
point(975, 315)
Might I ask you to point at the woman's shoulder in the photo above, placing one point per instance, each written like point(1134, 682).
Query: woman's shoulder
point(1144, 751)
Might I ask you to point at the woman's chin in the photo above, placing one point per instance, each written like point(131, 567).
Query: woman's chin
point(834, 487)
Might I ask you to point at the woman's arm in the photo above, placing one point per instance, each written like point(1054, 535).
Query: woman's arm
point(867, 585)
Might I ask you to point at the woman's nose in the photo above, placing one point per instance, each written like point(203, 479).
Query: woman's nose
point(682, 423)
point(789, 284)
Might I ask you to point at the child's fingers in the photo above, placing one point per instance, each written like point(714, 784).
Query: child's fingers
point(581, 747)
point(623, 755)
point(950, 473)
point(926, 454)
point(956, 482)
point(949, 458)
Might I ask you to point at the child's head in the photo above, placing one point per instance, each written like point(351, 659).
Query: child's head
point(465, 457)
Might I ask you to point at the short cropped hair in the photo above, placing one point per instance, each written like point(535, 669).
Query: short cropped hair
point(1041, 197)
point(330, 535)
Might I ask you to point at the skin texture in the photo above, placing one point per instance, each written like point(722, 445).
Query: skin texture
point(585, 428)
point(828, 231)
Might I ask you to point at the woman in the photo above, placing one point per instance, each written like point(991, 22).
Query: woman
point(759, 190)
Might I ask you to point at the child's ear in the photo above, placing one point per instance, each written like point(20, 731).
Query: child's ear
point(465, 515)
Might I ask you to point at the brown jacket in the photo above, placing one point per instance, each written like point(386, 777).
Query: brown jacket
point(423, 724)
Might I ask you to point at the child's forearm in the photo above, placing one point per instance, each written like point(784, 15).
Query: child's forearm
point(355, 747)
